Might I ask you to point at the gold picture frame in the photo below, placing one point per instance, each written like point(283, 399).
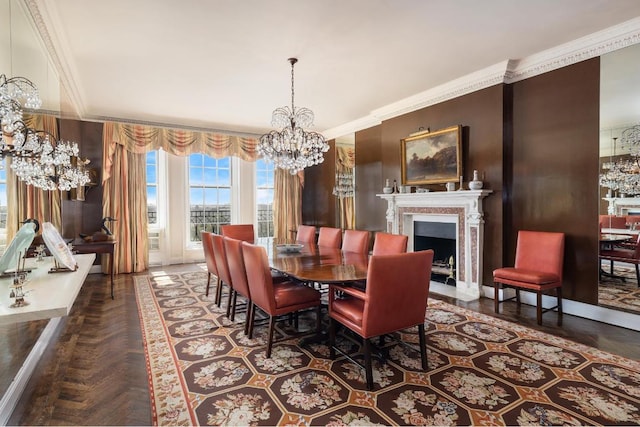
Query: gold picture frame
point(432, 157)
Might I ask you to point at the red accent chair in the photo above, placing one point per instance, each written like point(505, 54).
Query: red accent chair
point(612, 221)
point(223, 269)
point(356, 241)
point(395, 299)
point(538, 268)
point(389, 244)
point(330, 237)
point(630, 256)
point(209, 257)
point(306, 234)
point(275, 299)
point(242, 232)
point(238, 273)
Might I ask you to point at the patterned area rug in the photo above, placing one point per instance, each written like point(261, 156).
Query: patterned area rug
point(482, 371)
point(615, 293)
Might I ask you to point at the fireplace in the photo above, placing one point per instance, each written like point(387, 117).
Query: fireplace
point(459, 212)
point(441, 237)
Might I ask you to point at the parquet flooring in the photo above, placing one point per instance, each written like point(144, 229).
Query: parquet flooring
point(94, 373)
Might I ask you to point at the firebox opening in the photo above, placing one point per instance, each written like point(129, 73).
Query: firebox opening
point(441, 237)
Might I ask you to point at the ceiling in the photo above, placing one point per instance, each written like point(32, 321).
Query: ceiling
point(222, 64)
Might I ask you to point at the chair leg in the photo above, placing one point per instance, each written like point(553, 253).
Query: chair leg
point(218, 291)
point(272, 324)
point(253, 315)
point(206, 292)
point(423, 346)
point(248, 317)
point(319, 320)
point(611, 267)
point(231, 291)
point(496, 293)
point(332, 338)
point(539, 307)
point(367, 364)
point(638, 275)
point(559, 297)
point(233, 305)
point(518, 297)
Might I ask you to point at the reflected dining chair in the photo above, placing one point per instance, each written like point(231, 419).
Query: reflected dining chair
point(388, 244)
point(243, 232)
point(355, 241)
point(209, 257)
point(630, 255)
point(395, 299)
point(613, 221)
point(238, 274)
point(222, 266)
point(538, 268)
point(306, 234)
point(275, 299)
point(330, 237)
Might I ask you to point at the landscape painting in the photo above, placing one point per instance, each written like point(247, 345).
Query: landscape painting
point(432, 157)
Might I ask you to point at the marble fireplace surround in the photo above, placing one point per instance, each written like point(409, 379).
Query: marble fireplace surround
point(464, 208)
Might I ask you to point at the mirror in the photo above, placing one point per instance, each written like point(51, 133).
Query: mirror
point(344, 187)
point(619, 110)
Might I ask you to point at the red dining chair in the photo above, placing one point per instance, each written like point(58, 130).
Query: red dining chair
point(306, 234)
point(620, 254)
point(613, 221)
point(355, 241)
point(538, 268)
point(388, 244)
point(209, 257)
point(395, 299)
point(275, 299)
point(223, 269)
point(330, 237)
point(243, 232)
point(237, 271)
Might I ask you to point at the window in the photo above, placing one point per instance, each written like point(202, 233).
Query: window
point(209, 194)
point(152, 187)
point(264, 197)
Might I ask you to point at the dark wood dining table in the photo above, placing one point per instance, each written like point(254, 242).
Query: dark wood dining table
point(312, 263)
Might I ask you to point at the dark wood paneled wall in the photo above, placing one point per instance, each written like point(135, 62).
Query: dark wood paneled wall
point(370, 210)
point(555, 167)
point(83, 216)
point(319, 206)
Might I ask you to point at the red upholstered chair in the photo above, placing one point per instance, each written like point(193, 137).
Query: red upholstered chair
point(239, 231)
point(630, 256)
point(355, 241)
point(275, 299)
point(238, 273)
point(612, 221)
point(330, 237)
point(395, 299)
point(388, 244)
point(306, 234)
point(209, 257)
point(538, 268)
point(223, 269)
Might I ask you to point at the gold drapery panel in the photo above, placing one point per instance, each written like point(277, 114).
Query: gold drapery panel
point(28, 201)
point(287, 203)
point(345, 163)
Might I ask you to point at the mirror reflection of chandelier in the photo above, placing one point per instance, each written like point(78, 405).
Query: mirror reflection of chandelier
point(37, 158)
point(292, 148)
point(623, 174)
point(344, 185)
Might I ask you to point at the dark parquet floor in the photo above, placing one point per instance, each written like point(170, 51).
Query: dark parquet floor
point(94, 372)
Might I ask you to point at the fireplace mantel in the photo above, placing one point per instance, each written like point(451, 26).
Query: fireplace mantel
point(463, 208)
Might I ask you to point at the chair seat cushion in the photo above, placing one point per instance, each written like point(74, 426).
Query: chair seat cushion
point(350, 308)
point(290, 294)
point(512, 274)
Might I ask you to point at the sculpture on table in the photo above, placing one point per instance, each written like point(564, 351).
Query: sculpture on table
point(103, 235)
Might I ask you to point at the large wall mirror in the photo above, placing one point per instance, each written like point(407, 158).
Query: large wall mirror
point(344, 188)
point(619, 114)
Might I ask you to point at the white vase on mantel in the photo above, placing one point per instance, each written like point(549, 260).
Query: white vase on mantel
point(475, 184)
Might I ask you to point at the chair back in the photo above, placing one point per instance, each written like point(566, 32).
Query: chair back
point(397, 291)
point(237, 271)
point(242, 232)
point(540, 251)
point(306, 234)
point(209, 256)
point(330, 237)
point(221, 259)
point(612, 221)
point(389, 244)
point(259, 276)
point(355, 241)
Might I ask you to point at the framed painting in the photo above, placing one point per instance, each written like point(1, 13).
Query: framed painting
point(432, 157)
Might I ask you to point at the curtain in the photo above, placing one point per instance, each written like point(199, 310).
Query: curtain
point(28, 201)
point(124, 177)
point(287, 203)
point(345, 164)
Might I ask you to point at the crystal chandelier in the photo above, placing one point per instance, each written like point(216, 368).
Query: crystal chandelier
point(292, 148)
point(37, 159)
point(344, 185)
point(623, 175)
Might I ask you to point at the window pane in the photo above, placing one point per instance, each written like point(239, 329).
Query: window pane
point(264, 198)
point(224, 177)
point(152, 187)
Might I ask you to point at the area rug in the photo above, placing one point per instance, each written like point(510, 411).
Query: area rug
point(482, 371)
point(620, 295)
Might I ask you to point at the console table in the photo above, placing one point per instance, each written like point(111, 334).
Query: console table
point(102, 247)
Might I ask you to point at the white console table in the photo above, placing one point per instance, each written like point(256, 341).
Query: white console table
point(50, 296)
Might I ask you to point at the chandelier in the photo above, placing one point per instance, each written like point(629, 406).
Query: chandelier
point(623, 175)
point(37, 158)
point(292, 148)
